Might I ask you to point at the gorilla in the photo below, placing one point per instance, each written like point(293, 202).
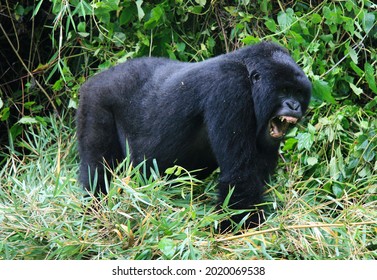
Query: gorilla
point(230, 111)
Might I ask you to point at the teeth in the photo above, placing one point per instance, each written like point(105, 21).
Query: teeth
point(288, 119)
point(278, 130)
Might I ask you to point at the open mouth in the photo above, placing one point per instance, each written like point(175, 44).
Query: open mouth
point(280, 124)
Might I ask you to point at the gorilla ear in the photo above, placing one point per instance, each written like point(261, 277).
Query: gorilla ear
point(254, 77)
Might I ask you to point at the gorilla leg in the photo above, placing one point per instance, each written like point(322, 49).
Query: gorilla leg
point(98, 144)
point(246, 195)
point(233, 141)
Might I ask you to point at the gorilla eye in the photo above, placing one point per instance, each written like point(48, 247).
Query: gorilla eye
point(255, 77)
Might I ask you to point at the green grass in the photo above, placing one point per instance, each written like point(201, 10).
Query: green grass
point(320, 204)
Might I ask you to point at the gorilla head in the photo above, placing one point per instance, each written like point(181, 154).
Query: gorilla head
point(230, 111)
point(280, 91)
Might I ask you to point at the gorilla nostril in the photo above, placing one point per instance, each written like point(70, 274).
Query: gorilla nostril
point(293, 105)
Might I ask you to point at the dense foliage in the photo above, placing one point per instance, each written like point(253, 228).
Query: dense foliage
point(50, 47)
point(328, 171)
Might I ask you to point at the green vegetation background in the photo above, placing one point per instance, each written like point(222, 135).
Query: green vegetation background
point(320, 204)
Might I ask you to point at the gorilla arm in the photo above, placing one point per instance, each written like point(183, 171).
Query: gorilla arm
point(232, 130)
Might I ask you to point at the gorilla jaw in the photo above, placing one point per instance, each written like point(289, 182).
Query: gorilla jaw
point(280, 124)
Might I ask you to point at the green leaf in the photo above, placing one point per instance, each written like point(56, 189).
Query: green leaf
point(312, 161)
point(195, 9)
point(349, 5)
point(167, 247)
point(340, 161)
point(227, 198)
point(4, 114)
point(334, 170)
point(83, 9)
point(271, 25)
point(355, 89)
point(285, 19)
point(181, 47)
point(104, 8)
point(365, 172)
point(322, 90)
point(264, 6)
point(352, 53)
point(15, 130)
point(368, 22)
point(327, 38)
point(72, 104)
point(357, 69)
point(140, 12)
point(370, 76)
point(170, 170)
point(27, 120)
point(36, 9)
point(249, 40)
point(81, 26)
point(127, 15)
point(155, 18)
point(337, 190)
point(201, 2)
point(316, 18)
point(176, 170)
point(289, 144)
point(305, 141)
point(109, 5)
point(211, 43)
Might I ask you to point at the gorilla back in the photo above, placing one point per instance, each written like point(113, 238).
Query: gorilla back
point(230, 111)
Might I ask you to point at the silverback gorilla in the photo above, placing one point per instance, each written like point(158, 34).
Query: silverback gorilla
point(230, 111)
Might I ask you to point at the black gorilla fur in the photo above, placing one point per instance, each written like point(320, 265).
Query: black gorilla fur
point(229, 111)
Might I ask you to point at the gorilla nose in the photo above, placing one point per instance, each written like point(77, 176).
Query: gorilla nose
point(293, 105)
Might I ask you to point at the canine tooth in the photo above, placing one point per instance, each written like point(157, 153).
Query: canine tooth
point(288, 119)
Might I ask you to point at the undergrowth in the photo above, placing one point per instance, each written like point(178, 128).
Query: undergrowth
point(315, 208)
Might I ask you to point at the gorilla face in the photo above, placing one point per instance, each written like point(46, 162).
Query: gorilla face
point(281, 94)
